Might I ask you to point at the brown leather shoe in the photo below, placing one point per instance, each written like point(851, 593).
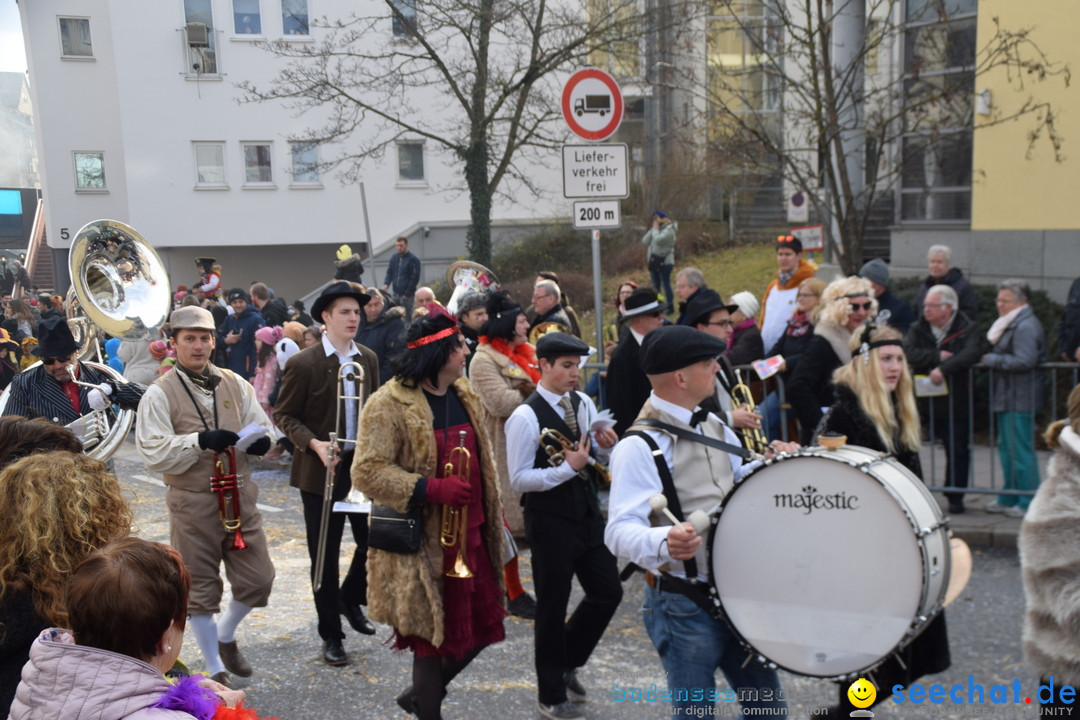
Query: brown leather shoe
point(233, 659)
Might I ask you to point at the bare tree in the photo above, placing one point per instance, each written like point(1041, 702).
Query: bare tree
point(818, 97)
point(475, 78)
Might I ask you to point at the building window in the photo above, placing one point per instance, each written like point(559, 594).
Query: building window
point(939, 92)
point(246, 18)
point(305, 163)
point(257, 166)
point(294, 17)
point(403, 18)
point(410, 161)
point(201, 44)
point(75, 38)
point(89, 171)
point(210, 165)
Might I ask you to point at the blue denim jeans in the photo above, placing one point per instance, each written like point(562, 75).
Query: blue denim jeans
point(692, 645)
point(663, 276)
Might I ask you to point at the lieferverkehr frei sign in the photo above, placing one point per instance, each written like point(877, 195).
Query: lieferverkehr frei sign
point(595, 171)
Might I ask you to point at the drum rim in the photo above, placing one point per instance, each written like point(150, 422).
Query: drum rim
point(913, 630)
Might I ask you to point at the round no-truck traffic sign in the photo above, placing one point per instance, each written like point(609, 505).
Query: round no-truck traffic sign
point(592, 104)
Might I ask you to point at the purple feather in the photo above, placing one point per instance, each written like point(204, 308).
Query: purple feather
point(188, 696)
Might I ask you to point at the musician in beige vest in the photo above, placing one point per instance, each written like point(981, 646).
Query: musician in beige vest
point(693, 643)
point(187, 419)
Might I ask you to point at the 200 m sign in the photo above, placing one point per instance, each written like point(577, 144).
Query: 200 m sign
point(597, 214)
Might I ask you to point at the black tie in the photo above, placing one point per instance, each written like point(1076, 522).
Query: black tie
point(698, 417)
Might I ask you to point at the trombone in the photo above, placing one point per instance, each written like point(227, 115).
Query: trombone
point(455, 521)
point(348, 372)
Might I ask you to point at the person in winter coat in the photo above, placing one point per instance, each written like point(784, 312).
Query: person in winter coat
point(382, 330)
point(237, 334)
point(875, 408)
point(781, 296)
point(127, 603)
point(939, 258)
point(1019, 348)
point(660, 240)
point(845, 306)
point(411, 425)
point(745, 344)
point(1049, 554)
point(38, 549)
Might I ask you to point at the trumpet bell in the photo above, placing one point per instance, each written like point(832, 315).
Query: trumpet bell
point(548, 327)
point(119, 280)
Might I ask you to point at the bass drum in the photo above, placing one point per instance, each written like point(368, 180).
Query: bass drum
point(826, 561)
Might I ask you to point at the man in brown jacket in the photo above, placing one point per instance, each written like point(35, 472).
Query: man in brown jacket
point(306, 412)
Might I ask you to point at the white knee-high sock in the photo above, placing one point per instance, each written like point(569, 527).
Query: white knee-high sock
point(230, 619)
point(206, 636)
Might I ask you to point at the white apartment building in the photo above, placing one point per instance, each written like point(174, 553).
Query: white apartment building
point(137, 120)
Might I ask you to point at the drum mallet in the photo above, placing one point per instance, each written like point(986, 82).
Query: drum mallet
point(698, 519)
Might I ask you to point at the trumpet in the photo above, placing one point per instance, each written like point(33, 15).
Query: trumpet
point(556, 444)
point(348, 372)
point(455, 520)
point(225, 483)
point(742, 397)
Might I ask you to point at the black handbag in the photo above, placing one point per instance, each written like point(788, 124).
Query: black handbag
point(395, 532)
point(656, 262)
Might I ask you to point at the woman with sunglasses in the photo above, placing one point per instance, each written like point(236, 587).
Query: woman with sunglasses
point(846, 304)
point(874, 407)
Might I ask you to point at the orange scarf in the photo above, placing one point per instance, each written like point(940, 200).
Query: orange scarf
point(524, 355)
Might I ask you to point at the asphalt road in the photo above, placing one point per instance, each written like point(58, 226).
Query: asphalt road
point(292, 683)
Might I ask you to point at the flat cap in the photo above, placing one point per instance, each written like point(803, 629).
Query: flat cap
point(556, 345)
point(673, 347)
point(192, 317)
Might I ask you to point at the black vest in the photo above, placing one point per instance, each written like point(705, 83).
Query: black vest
point(575, 498)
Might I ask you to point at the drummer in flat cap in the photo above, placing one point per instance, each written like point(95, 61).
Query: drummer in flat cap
point(693, 642)
point(563, 523)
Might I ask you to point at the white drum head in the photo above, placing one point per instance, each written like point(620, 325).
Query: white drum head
point(817, 566)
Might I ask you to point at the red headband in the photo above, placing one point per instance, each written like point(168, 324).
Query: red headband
point(444, 333)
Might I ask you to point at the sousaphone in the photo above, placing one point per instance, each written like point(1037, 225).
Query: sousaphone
point(118, 286)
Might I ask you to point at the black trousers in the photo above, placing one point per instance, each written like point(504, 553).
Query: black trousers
point(354, 588)
point(561, 549)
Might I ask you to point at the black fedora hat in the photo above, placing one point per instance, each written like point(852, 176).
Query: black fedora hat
point(333, 291)
point(55, 339)
point(705, 303)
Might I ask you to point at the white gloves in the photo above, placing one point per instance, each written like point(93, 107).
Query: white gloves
point(97, 398)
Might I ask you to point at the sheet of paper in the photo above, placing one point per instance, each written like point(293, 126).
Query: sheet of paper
point(603, 420)
point(249, 435)
point(767, 367)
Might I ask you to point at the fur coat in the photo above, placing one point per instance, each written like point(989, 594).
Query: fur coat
point(501, 386)
point(1050, 562)
point(396, 450)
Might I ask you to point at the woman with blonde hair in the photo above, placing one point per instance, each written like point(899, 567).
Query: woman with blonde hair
point(845, 305)
point(55, 509)
point(1049, 546)
point(875, 407)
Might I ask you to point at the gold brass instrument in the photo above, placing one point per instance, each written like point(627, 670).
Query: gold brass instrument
point(547, 327)
point(348, 372)
point(468, 276)
point(556, 445)
point(120, 287)
point(225, 484)
point(455, 521)
point(742, 397)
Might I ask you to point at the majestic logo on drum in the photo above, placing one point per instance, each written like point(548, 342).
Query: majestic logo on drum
point(810, 499)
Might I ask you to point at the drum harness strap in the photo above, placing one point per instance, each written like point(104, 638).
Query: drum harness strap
point(666, 582)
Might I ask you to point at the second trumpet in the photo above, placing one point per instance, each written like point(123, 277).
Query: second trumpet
point(455, 521)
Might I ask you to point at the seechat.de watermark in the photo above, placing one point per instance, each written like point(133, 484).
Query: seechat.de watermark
point(976, 693)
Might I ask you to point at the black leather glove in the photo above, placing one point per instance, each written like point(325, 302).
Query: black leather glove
point(260, 447)
point(217, 440)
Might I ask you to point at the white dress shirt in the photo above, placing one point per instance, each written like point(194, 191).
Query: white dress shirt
point(635, 480)
point(349, 390)
point(523, 440)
